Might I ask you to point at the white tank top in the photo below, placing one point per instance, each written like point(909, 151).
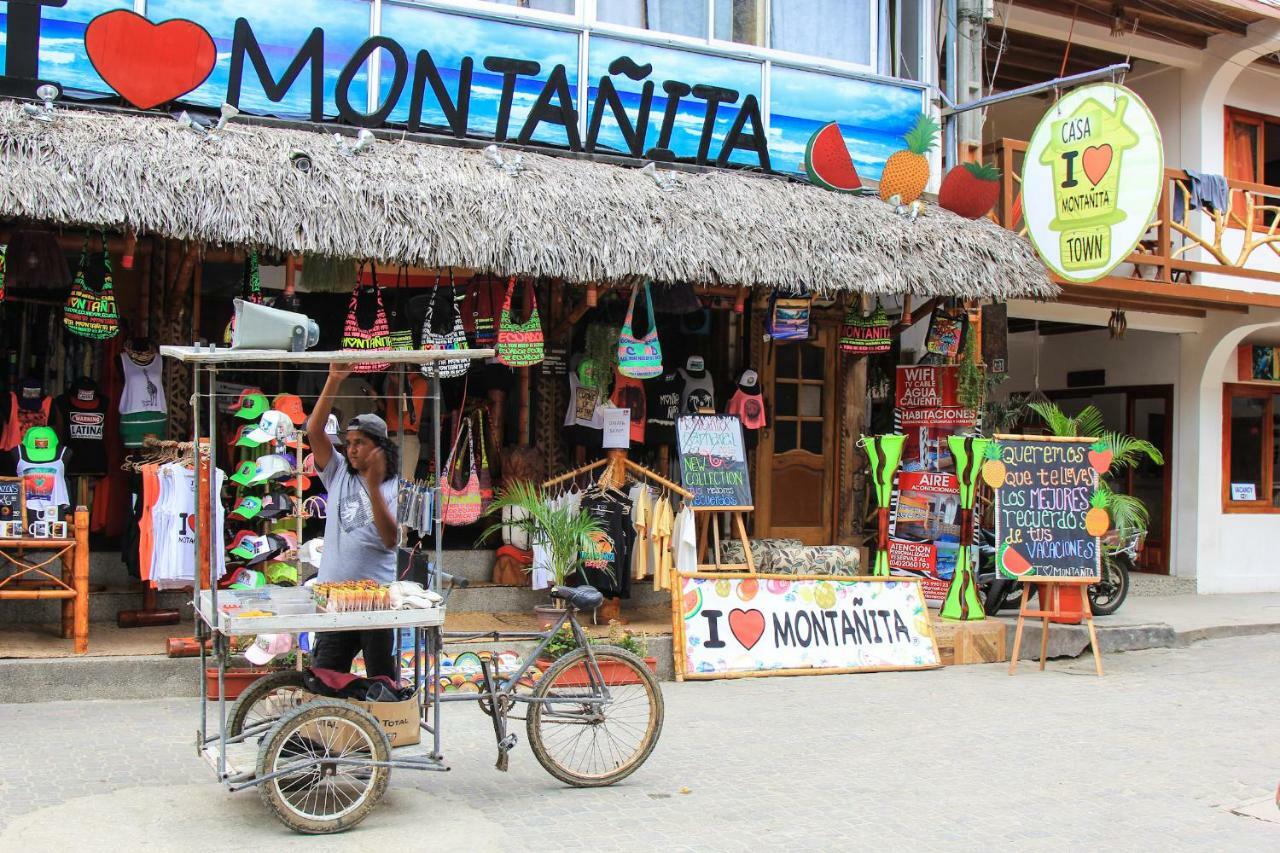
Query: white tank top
point(45, 482)
point(143, 386)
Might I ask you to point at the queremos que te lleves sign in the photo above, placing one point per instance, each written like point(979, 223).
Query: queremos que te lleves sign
point(1091, 179)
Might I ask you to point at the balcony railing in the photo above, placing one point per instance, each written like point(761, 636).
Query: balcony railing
point(1240, 241)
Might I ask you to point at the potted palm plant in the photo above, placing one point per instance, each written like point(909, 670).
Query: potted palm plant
point(564, 531)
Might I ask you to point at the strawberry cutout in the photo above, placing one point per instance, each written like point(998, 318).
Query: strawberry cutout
point(1100, 456)
point(149, 64)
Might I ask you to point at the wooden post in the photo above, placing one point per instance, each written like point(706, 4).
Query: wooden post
point(80, 577)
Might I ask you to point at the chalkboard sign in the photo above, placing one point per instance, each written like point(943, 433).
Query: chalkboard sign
point(713, 460)
point(12, 503)
point(1048, 512)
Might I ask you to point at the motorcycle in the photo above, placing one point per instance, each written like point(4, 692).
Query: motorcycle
point(1120, 554)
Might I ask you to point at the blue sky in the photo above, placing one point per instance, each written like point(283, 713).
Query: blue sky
point(873, 115)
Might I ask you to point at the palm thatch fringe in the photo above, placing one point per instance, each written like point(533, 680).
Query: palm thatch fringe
point(432, 205)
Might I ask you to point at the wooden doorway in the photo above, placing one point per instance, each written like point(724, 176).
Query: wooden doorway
point(796, 470)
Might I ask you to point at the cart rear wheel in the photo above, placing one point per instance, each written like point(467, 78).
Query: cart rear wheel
point(322, 750)
point(267, 700)
point(589, 744)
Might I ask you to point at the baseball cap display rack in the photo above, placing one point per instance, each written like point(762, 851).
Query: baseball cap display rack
point(234, 756)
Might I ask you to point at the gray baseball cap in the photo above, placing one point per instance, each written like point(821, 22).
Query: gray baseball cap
point(370, 425)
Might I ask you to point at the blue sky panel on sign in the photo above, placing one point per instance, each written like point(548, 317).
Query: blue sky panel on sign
point(873, 117)
point(449, 38)
point(687, 67)
point(62, 54)
point(281, 28)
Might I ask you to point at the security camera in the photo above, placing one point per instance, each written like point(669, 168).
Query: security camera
point(301, 161)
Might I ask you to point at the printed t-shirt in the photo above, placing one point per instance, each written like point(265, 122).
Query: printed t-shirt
point(607, 566)
point(748, 407)
point(698, 392)
point(628, 393)
point(353, 550)
point(81, 421)
point(662, 401)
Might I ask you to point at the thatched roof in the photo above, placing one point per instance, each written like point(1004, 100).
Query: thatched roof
point(435, 205)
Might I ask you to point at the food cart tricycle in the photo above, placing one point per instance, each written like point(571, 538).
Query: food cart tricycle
point(322, 764)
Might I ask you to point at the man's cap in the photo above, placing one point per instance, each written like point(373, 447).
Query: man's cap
point(369, 424)
point(266, 646)
point(311, 552)
point(242, 438)
point(247, 509)
point(40, 444)
point(275, 505)
point(251, 405)
point(243, 578)
point(292, 483)
point(244, 474)
point(272, 467)
point(291, 405)
point(283, 574)
point(255, 549)
point(272, 426)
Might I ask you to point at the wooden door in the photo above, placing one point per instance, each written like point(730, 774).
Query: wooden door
point(796, 472)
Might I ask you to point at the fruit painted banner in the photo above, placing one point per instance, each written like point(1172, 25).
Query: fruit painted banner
point(1091, 178)
point(734, 625)
point(1049, 512)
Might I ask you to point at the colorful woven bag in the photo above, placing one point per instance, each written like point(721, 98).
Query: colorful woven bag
point(375, 337)
point(88, 313)
point(789, 318)
point(453, 339)
point(520, 344)
point(639, 358)
point(460, 506)
point(861, 335)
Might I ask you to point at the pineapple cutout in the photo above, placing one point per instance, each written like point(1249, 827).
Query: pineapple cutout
point(1096, 520)
point(907, 172)
point(993, 470)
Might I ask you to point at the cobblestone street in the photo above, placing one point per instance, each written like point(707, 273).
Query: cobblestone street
point(1156, 754)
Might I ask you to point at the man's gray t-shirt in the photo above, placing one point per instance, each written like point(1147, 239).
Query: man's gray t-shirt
point(353, 550)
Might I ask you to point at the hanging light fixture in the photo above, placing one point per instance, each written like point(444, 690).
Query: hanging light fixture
point(1118, 25)
point(1118, 324)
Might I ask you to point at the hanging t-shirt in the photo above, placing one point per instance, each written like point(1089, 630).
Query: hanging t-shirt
point(142, 403)
point(607, 566)
point(748, 407)
point(628, 393)
point(21, 419)
point(582, 404)
point(662, 402)
point(698, 392)
point(413, 399)
point(45, 483)
point(80, 418)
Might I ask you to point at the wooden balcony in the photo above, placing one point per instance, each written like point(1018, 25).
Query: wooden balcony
point(1166, 272)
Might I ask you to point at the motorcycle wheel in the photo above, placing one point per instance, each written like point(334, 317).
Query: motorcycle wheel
point(1106, 596)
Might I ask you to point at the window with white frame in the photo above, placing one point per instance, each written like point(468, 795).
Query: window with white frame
point(563, 7)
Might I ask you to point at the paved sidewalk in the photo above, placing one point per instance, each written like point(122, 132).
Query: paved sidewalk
point(1155, 755)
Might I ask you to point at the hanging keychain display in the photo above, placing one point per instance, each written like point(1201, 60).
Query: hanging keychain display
point(639, 358)
point(88, 313)
point(520, 344)
point(376, 337)
point(453, 339)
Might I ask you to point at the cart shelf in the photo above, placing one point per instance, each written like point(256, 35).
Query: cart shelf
point(233, 626)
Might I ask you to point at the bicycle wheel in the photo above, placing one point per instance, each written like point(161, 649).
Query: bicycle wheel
point(589, 745)
point(268, 699)
point(331, 795)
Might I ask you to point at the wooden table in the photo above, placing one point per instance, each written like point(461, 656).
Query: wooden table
point(23, 579)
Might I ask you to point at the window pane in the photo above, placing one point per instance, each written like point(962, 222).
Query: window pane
point(788, 361)
point(785, 403)
point(740, 20)
point(834, 29)
point(1246, 447)
point(1242, 159)
point(784, 436)
point(562, 6)
point(812, 367)
point(811, 437)
point(909, 49)
point(682, 17)
point(811, 401)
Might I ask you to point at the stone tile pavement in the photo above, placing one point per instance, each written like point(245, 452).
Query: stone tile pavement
point(1153, 756)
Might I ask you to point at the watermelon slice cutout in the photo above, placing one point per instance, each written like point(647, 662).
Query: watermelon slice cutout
point(827, 161)
point(1011, 562)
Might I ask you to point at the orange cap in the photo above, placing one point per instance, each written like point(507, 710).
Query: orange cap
point(291, 405)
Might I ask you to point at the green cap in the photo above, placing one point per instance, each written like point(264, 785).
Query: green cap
point(244, 439)
point(281, 573)
point(248, 508)
point(245, 473)
point(40, 444)
point(251, 406)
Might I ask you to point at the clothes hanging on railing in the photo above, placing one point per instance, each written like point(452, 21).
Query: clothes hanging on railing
point(167, 552)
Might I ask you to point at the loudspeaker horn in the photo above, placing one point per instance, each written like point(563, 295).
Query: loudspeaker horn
point(260, 327)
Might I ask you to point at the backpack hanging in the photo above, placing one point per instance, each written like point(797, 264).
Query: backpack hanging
point(375, 337)
point(88, 313)
point(639, 358)
point(460, 506)
point(789, 318)
point(861, 335)
point(397, 321)
point(520, 344)
point(250, 291)
point(453, 339)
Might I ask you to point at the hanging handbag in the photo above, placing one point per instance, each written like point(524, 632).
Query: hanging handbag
point(460, 506)
point(789, 318)
point(453, 339)
point(397, 320)
point(520, 344)
point(479, 307)
point(4, 251)
point(639, 358)
point(861, 335)
point(89, 313)
point(250, 291)
point(376, 337)
point(485, 474)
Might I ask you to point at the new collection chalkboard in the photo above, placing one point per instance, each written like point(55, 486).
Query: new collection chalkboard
point(1049, 513)
point(713, 460)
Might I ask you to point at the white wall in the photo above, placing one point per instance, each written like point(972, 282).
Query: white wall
point(1139, 358)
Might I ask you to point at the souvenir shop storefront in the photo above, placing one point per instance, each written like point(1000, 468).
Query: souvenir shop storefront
point(125, 232)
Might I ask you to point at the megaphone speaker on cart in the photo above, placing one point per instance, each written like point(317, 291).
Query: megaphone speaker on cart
point(261, 327)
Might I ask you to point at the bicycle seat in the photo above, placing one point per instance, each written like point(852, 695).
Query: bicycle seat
point(579, 597)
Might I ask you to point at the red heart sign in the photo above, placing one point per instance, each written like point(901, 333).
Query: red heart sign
point(1097, 160)
point(149, 64)
point(747, 626)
